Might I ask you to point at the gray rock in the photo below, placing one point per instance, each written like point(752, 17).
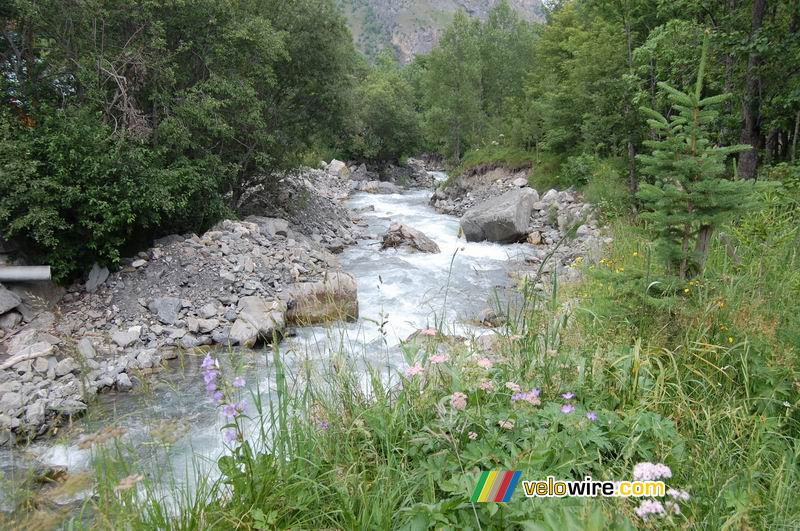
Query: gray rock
point(124, 382)
point(97, 276)
point(10, 402)
point(10, 320)
point(86, 349)
point(35, 413)
point(257, 320)
point(583, 230)
point(335, 298)
point(145, 359)
point(125, 339)
point(502, 219)
point(551, 196)
point(338, 168)
point(520, 182)
point(166, 309)
point(66, 366)
point(208, 311)
point(381, 187)
point(41, 365)
point(402, 235)
point(8, 300)
point(139, 263)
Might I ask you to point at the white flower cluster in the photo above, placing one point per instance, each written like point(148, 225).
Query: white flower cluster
point(651, 472)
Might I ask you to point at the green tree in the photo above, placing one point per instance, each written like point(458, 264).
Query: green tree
point(691, 196)
point(387, 123)
point(453, 88)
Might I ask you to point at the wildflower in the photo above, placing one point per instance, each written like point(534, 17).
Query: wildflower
point(721, 305)
point(240, 407)
point(532, 397)
point(438, 358)
point(485, 363)
point(430, 332)
point(229, 436)
point(686, 290)
point(568, 396)
point(218, 396)
point(472, 436)
point(567, 408)
point(506, 424)
point(211, 387)
point(322, 425)
point(511, 386)
point(208, 363)
point(209, 376)
point(649, 508)
point(238, 382)
point(635, 253)
point(413, 371)
point(730, 339)
point(458, 401)
point(651, 472)
point(678, 494)
point(229, 411)
point(591, 415)
point(672, 507)
point(487, 385)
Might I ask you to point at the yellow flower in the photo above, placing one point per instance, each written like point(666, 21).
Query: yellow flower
point(730, 339)
point(686, 290)
point(635, 253)
point(720, 304)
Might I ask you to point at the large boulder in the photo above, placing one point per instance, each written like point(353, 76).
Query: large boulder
point(8, 300)
point(338, 168)
point(402, 235)
point(258, 320)
point(334, 299)
point(381, 187)
point(502, 219)
point(166, 309)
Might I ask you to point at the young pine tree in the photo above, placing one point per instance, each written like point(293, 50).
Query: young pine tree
point(691, 195)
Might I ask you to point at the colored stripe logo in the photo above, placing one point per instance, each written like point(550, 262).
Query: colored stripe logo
point(495, 486)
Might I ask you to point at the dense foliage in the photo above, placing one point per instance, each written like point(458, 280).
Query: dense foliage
point(127, 119)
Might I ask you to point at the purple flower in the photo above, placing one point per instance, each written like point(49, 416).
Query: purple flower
point(591, 415)
point(568, 396)
point(211, 387)
point(238, 382)
point(218, 396)
point(534, 393)
point(229, 436)
point(240, 407)
point(323, 425)
point(209, 376)
point(208, 362)
point(567, 408)
point(229, 410)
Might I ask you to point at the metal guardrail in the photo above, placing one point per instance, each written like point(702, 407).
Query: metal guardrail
point(24, 273)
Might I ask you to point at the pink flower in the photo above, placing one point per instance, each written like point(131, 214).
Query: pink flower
point(413, 371)
point(678, 494)
point(458, 401)
point(512, 387)
point(651, 472)
point(649, 508)
point(487, 385)
point(485, 363)
point(438, 358)
point(430, 332)
point(472, 436)
point(506, 424)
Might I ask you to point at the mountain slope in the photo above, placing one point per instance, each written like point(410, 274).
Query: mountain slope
point(411, 27)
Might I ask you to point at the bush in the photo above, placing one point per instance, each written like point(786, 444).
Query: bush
point(73, 194)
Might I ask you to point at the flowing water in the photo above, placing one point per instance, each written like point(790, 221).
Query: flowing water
point(399, 292)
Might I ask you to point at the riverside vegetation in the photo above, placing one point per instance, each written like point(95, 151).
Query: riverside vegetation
point(675, 355)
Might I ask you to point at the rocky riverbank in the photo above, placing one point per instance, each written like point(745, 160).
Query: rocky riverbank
point(500, 206)
point(239, 284)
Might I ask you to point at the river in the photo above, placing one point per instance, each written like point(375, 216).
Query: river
point(399, 292)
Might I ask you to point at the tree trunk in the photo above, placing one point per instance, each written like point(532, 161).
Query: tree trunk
point(701, 248)
point(751, 127)
point(727, 87)
point(794, 136)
